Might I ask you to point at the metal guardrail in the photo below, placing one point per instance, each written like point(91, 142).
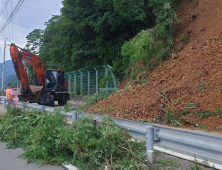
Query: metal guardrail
point(187, 144)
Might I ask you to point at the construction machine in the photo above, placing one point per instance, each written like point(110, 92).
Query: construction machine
point(49, 86)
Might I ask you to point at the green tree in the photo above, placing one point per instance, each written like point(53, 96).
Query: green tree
point(33, 45)
point(34, 41)
point(91, 32)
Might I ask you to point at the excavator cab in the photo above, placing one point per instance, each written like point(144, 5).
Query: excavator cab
point(55, 81)
point(51, 77)
point(55, 88)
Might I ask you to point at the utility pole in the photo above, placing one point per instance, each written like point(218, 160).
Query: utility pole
point(3, 69)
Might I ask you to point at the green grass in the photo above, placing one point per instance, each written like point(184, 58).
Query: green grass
point(199, 74)
point(202, 86)
point(193, 105)
point(165, 162)
point(196, 166)
point(144, 121)
point(220, 90)
point(194, 1)
point(184, 37)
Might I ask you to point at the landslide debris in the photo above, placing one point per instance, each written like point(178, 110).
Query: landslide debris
point(185, 90)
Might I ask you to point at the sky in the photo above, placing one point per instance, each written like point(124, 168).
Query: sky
point(31, 15)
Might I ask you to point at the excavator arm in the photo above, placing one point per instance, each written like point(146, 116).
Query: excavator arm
point(30, 58)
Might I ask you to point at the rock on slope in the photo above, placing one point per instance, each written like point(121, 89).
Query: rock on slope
point(191, 80)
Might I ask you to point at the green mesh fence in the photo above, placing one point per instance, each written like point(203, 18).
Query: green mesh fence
point(89, 81)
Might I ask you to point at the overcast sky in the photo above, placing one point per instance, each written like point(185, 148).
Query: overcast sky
point(32, 15)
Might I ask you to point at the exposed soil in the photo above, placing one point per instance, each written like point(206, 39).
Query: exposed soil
point(190, 81)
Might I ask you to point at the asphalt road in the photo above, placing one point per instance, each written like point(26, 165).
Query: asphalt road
point(9, 160)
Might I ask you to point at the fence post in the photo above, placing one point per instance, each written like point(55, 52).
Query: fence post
point(106, 74)
point(74, 82)
point(149, 143)
point(88, 82)
point(97, 81)
point(114, 79)
point(81, 82)
point(69, 83)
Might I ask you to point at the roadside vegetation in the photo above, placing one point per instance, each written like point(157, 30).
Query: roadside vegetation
point(46, 139)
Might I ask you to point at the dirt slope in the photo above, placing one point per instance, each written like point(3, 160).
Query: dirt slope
point(190, 81)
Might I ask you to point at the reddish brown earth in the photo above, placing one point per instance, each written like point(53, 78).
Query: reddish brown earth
point(194, 75)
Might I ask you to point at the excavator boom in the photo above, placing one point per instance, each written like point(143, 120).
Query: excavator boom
point(30, 58)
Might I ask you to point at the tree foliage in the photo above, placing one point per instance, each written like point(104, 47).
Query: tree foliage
point(92, 32)
point(34, 41)
point(155, 42)
point(33, 45)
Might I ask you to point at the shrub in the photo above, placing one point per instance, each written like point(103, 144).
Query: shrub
point(184, 37)
point(99, 144)
point(90, 100)
point(104, 80)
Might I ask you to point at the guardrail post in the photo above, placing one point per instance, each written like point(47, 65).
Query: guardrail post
point(43, 108)
point(149, 143)
point(23, 106)
point(74, 116)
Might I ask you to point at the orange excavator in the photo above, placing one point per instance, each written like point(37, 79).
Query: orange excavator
point(48, 86)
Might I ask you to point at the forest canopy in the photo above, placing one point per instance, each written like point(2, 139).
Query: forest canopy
point(116, 32)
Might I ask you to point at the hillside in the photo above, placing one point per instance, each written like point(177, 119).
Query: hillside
point(185, 90)
point(9, 69)
point(9, 73)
